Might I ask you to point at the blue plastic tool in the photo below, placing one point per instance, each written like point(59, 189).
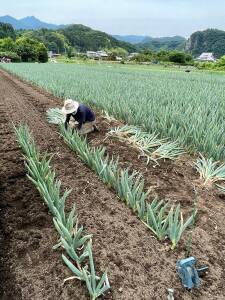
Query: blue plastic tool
point(188, 273)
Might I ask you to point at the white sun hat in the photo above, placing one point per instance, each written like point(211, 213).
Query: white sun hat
point(70, 106)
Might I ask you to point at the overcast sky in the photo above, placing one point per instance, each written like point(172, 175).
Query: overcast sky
point(142, 17)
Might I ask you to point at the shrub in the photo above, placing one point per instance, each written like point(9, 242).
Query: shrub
point(31, 50)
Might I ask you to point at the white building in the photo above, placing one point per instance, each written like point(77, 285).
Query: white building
point(102, 54)
point(91, 54)
point(206, 56)
point(97, 54)
point(132, 55)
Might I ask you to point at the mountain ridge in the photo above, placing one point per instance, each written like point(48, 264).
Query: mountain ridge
point(29, 22)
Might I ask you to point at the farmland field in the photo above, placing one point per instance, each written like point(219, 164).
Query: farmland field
point(188, 107)
point(138, 265)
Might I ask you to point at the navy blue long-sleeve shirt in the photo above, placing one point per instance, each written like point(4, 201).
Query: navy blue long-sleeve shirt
point(84, 114)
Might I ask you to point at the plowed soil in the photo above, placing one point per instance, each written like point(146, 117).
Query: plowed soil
point(139, 267)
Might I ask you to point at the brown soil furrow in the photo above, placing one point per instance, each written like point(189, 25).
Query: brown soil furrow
point(26, 261)
point(139, 267)
point(119, 238)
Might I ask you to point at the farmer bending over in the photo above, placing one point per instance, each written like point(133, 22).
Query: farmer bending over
point(82, 115)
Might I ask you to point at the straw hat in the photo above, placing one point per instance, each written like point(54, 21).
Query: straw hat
point(70, 106)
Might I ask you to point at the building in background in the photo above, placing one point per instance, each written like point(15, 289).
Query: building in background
point(97, 54)
point(206, 56)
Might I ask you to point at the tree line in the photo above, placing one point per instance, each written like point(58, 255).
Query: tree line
point(19, 47)
point(32, 45)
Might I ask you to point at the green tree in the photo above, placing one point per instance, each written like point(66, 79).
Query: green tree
point(31, 50)
point(177, 57)
point(27, 49)
point(116, 52)
point(162, 55)
point(144, 56)
point(42, 53)
point(7, 44)
point(221, 61)
point(54, 41)
point(84, 38)
point(71, 52)
point(6, 30)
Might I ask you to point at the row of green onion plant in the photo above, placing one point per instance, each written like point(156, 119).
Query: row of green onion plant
point(149, 145)
point(170, 103)
point(163, 221)
point(210, 171)
point(77, 245)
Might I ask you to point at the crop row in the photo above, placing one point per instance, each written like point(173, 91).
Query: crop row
point(164, 221)
point(71, 236)
point(188, 108)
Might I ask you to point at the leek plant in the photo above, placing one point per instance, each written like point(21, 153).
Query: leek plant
point(55, 116)
point(177, 225)
point(168, 102)
point(130, 188)
point(96, 286)
point(156, 218)
point(72, 239)
point(149, 145)
point(209, 170)
point(188, 243)
point(221, 188)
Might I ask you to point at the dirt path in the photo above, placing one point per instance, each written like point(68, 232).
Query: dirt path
point(139, 267)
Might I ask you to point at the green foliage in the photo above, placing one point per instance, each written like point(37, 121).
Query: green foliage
point(84, 38)
point(177, 225)
point(210, 40)
point(95, 285)
point(162, 55)
point(149, 145)
point(27, 49)
point(6, 30)
point(7, 45)
point(31, 50)
point(42, 53)
point(114, 52)
point(179, 57)
point(53, 40)
point(209, 170)
point(55, 116)
point(187, 108)
point(221, 62)
point(76, 245)
point(157, 219)
point(71, 52)
point(164, 43)
point(189, 241)
point(130, 189)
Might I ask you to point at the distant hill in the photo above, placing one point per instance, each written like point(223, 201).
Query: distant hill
point(85, 38)
point(167, 43)
point(81, 37)
point(28, 23)
point(210, 40)
point(132, 39)
point(142, 42)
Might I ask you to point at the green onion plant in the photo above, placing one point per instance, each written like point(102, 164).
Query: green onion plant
point(72, 238)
